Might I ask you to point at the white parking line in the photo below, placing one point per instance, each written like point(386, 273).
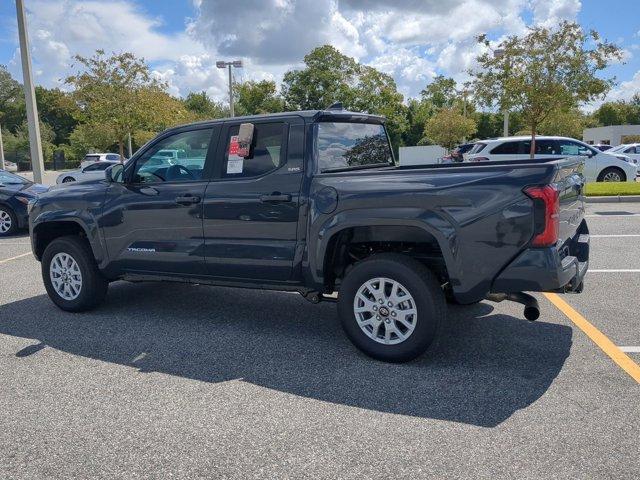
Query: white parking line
point(630, 349)
point(609, 215)
point(614, 270)
point(14, 258)
point(614, 236)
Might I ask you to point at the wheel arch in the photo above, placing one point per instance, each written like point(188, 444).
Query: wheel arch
point(44, 233)
point(427, 239)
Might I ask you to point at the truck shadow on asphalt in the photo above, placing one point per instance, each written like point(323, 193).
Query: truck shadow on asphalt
point(486, 366)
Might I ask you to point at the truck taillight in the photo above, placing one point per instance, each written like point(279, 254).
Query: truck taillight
point(546, 202)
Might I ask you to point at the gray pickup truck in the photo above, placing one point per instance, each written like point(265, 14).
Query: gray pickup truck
point(312, 202)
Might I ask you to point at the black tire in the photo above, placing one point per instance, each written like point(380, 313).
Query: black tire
point(94, 284)
point(68, 180)
point(423, 286)
point(614, 171)
point(12, 218)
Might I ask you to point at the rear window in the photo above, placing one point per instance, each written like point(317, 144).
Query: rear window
point(91, 158)
point(351, 145)
point(112, 156)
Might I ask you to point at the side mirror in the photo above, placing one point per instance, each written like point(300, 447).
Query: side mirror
point(113, 174)
point(245, 139)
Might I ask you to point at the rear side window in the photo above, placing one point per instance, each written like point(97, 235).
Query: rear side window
point(112, 156)
point(91, 158)
point(347, 145)
point(507, 148)
point(547, 147)
point(267, 153)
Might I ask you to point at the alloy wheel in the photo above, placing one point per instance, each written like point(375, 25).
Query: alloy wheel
point(5, 221)
point(65, 275)
point(385, 311)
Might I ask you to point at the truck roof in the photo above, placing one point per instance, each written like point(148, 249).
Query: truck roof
point(331, 114)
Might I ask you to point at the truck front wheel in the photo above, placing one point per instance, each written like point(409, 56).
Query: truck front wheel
point(391, 307)
point(71, 276)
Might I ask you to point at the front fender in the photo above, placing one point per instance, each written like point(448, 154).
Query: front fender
point(39, 220)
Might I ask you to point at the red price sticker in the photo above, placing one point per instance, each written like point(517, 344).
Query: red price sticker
point(234, 146)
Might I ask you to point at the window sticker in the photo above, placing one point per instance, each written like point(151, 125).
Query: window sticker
point(235, 163)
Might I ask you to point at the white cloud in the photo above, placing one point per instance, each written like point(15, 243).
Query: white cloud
point(549, 13)
point(412, 40)
point(62, 29)
point(625, 90)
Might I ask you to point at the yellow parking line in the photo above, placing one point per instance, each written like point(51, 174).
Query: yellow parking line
point(14, 258)
point(599, 338)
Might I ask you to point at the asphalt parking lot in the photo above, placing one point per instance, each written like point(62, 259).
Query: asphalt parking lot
point(188, 381)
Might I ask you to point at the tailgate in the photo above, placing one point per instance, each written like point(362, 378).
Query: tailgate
point(570, 184)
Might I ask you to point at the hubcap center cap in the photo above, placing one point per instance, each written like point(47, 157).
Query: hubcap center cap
point(384, 311)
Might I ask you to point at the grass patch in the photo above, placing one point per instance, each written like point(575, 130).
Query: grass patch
point(606, 189)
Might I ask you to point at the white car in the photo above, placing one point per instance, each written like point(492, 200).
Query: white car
point(90, 158)
point(10, 166)
point(93, 171)
point(631, 150)
point(599, 166)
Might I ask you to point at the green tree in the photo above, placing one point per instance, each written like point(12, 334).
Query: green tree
point(441, 92)
point(448, 128)
point(203, 107)
point(117, 94)
point(12, 112)
point(418, 113)
point(254, 98)
point(329, 76)
point(545, 71)
point(58, 110)
point(619, 113)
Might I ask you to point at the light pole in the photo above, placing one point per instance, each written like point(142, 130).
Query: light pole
point(35, 145)
point(234, 64)
point(499, 53)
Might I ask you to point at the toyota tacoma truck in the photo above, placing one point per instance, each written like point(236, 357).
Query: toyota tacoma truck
point(313, 202)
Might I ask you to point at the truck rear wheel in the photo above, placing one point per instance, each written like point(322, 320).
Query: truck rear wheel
point(391, 307)
point(71, 276)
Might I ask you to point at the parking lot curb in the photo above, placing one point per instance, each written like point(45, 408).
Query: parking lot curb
point(614, 199)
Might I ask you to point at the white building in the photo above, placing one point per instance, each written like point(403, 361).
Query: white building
point(612, 135)
point(423, 155)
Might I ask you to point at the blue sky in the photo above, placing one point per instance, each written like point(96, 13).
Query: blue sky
point(412, 40)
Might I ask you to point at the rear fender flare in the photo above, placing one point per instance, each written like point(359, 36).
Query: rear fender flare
point(437, 225)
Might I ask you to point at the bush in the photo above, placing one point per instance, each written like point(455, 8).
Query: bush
point(612, 189)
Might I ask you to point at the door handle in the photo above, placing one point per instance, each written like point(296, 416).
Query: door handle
point(276, 198)
point(188, 200)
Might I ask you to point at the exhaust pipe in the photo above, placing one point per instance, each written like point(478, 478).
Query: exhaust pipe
point(531, 307)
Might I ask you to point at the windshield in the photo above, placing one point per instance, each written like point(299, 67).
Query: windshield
point(477, 147)
point(7, 178)
point(352, 145)
point(619, 148)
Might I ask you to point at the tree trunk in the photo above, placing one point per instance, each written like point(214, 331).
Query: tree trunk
point(121, 149)
point(532, 152)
